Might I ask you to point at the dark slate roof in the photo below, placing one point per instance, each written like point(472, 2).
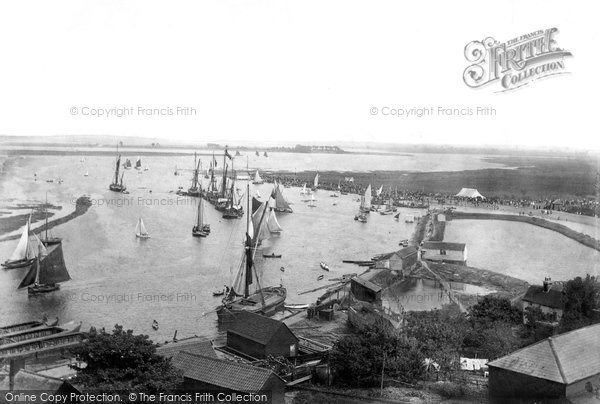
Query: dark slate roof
point(565, 358)
point(222, 373)
point(25, 380)
point(442, 245)
point(367, 284)
point(407, 252)
point(196, 346)
point(553, 298)
point(255, 327)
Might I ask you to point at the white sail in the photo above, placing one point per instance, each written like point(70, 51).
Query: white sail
point(273, 224)
point(367, 198)
point(316, 183)
point(21, 250)
point(36, 247)
point(380, 190)
point(303, 192)
point(141, 228)
point(257, 179)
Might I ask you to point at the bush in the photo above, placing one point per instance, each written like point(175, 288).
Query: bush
point(449, 389)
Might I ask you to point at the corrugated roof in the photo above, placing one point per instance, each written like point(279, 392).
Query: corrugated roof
point(367, 284)
point(255, 327)
point(195, 345)
point(565, 358)
point(222, 373)
point(553, 298)
point(442, 245)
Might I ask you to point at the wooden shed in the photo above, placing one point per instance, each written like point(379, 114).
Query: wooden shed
point(365, 290)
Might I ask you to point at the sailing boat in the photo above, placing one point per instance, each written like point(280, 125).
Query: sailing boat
point(266, 155)
point(272, 223)
point(242, 296)
point(195, 189)
point(140, 230)
point(26, 251)
point(86, 173)
point(257, 180)
point(146, 168)
point(305, 191)
point(257, 155)
point(237, 153)
point(316, 182)
point(47, 272)
point(138, 163)
point(200, 229)
point(313, 202)
point(127, 164)
point(116, 186)
point(52, 239)
point(365, 200)
point(281, 204)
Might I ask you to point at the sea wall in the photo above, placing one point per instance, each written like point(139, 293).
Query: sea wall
point(559, 228)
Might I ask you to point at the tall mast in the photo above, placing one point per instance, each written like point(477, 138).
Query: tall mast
point(248, 279)
point(46, 211)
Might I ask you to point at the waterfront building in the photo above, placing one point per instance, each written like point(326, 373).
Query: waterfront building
point(365, 290)
point(26, 381)
point(401, 260)
point(204, 374)
point(563, 366)
point(441, 251)
point(258, 336)
point(548, 297)
point(197, 346)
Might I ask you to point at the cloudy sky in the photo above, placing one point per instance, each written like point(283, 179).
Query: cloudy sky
point(289, 70)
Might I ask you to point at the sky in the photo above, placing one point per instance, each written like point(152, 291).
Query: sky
point(280, 70)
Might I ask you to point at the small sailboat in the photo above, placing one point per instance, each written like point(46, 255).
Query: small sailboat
point(138, 163)
point(86, 174)
point(82, 160)
point(146, 168)
point(281, 204)
point(313, 202)
point(365, 200)
point(257, 154)
point(324, 266)
point(155, 325)
point(140, 230)
point(257, 180)
point(117, 186)
point(127, 164)
point(266, 155)
point(200, 229)
point(237, 153)
point(272, 223)
point(27, 249)
point(316, 182)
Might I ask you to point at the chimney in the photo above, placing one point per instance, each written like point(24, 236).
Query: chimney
point(547, 285)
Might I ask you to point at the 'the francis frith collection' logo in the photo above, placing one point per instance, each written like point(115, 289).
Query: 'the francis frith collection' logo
point(514, 63)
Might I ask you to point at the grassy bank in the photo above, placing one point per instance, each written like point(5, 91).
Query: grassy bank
point(13, 223)
point(564, 230)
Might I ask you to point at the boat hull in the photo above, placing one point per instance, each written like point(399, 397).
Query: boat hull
point(117, 188)
point(40, 289)
point(274, 301)
point(18, 264)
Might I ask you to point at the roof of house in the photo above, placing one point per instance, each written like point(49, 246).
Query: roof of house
point(553, 298)
point(196, 346)
point(25, 380)
point(222, 373)
point(367, 284)
point(255, 327)
point(565, 358)
point(407, 252)
point(442, 245)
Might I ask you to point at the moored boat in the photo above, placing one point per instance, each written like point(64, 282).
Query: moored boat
point(273, 255)
point(140, 230)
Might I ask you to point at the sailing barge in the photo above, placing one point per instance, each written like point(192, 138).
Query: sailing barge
point(47, 273)
point(116, 185)
point(245, 293)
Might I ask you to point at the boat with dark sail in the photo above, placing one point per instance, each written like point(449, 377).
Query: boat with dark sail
point(116, 185)
point(266, 155)
point(281, 204)
point(200, 229)
point(228, 203)
point(195, 189)
point(246, 293)
point(257, 155)
point(138, 163)
point(27, 249)
point(47, 273)
point(237, 153)
point(127, 164)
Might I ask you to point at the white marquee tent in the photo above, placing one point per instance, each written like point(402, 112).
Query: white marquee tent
point(470, 193)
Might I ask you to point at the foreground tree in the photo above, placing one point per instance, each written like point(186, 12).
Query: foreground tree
point(121, 361)
point(582, 303)
point(358, 360)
